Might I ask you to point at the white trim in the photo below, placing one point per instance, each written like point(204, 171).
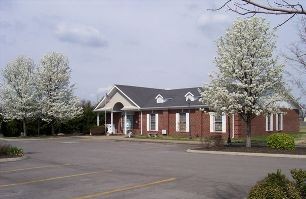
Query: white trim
point(127, 97)
point(188, 94)
point(187, 122)
point(159, 96)
point(98, 119)
point(156, 122)
point(276, 121)
point(148, 122)
point(112, 121)
point(282, 121)
point(140, 122)
point(211, 121)
point(267, 123)
point(108, 93)
point(271, 123)
point(177, 122)
point(125, 119)
point(104, 99)
point(233, 128)
point(223, 123)
point(174, 107)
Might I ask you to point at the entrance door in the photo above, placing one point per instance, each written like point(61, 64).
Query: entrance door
point(127, 122)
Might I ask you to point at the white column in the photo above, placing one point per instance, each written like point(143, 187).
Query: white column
point(141, 123)
point(112, 121)
point(98, 119)
point(125, 123)
point(233, 127)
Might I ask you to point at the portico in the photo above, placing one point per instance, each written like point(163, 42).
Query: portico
point(119, 111)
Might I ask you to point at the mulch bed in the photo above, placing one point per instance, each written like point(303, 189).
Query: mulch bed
point(254, 149)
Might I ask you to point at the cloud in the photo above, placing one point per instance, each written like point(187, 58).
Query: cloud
point(213, 24)
point(209, 21)
point(80, 34)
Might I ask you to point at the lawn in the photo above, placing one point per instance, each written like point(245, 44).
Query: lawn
point(300, 138)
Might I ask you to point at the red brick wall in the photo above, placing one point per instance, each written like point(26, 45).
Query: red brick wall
point(200, 123)
point(258, 126)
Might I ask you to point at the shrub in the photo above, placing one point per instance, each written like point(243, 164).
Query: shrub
point(281, 141)
point(274, 186)
point(299, 176)
point(10, 151)
point(214, 141)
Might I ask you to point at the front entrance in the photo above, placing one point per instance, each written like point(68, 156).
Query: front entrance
point(127, 123)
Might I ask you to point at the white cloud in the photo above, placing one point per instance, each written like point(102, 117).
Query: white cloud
point(209, 20)
point(80, 34)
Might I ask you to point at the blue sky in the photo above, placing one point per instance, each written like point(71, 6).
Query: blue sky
point(160, 43)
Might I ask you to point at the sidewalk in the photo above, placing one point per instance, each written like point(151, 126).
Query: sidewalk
point(123, 138)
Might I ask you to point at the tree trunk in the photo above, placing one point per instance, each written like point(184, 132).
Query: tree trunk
point(52, 128)
point(229, 140)
point(24, 127)
point(38, 127)
point(248, 133)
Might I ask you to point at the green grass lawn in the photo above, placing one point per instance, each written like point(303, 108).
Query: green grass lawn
point(300, 138)
point(162, 137)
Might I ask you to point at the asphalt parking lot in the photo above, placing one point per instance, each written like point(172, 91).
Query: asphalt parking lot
point(76, 168)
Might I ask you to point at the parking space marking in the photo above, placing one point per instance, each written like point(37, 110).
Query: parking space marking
point(126, 188)
point(46, 179)
point(32, 168)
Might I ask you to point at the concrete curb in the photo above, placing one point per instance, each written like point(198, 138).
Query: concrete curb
point(249, 154)
point(11, 159)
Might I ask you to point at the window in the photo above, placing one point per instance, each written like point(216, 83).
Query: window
point(152, 122)
point(279, 121)
point(217, 122)
point(182, 122)
point(269, 122)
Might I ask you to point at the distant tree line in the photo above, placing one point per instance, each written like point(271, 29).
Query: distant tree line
point(39, 99)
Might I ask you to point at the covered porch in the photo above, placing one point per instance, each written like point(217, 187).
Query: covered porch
point(120, 119)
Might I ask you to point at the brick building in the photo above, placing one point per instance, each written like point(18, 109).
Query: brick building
point(179, 112)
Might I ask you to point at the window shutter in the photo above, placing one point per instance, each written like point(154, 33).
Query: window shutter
point(148, 122)
point(282, 122)
point(177, 122)
point(156, 122)
point(223, 123)
point(187, 122)
point(267, 123)
point(211, 122)
point(271, 122)
point(276, 121)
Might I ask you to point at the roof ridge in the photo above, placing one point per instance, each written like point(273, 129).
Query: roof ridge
point(195, 87)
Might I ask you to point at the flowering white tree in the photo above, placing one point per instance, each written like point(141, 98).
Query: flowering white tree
point(249, 80)
point(18, 91)
point(55, 93)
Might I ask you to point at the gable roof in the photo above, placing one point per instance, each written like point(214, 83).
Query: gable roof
point(145, 97)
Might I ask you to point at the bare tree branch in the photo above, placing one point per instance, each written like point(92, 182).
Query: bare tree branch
point(253, 7)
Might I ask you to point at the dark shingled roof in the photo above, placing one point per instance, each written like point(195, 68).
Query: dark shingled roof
point(145, 97)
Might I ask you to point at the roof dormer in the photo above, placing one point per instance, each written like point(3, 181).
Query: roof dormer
point(159, 99)
point(189, 96)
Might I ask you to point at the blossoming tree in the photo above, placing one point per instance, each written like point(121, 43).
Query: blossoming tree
point(56, 99)
point(249, 80)
point(18, 93)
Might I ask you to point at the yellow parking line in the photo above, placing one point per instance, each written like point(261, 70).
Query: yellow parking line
point(46, 179)
point(126, 188)
point(31, 168)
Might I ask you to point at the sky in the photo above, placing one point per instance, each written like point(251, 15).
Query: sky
point(151, 43)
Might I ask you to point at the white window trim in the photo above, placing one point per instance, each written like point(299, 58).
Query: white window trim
point(269, 128)
point(212, 123)
point(281, 122)
point(149, 122)
point(177, 122)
